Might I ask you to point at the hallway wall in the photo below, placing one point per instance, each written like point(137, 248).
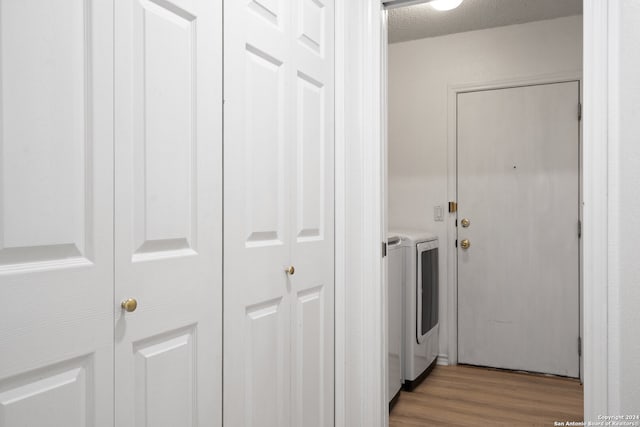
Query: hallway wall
point(420, 73)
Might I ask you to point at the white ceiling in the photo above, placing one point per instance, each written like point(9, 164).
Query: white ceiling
point(420, 21)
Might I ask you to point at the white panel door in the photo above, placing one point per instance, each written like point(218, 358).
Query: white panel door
point(279, 132)
point(56, 213)
point(518, 185)
point(168, 212)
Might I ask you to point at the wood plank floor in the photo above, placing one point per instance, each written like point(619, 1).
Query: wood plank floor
point(470, 396)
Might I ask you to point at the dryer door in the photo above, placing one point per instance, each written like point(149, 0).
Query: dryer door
point(427, 289)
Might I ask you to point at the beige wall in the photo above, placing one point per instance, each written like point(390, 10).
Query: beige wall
point(420, 73)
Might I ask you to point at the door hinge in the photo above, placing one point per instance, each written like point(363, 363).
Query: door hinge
point(579, 229)
point(453, 207)
point(579, 110)
point(384, 249)
point(579, 346)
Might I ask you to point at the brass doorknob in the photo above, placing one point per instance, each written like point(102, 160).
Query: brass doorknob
point(465, 244)
point(129, 305)
point(291, 270)
point(465, 222)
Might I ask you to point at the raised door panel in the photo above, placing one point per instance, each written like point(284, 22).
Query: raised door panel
point(165, 372)
point(264, 149)
point(310, 140)
point(45, 132)
point(312, 408)
point(168, 212)
point(265, 364)
point(59, 395)
point(56, 213)
point(164, 125)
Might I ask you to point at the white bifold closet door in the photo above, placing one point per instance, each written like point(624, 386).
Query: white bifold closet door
point(56, 213)
point(111, 188)
point(279, 212)
point(168, 212)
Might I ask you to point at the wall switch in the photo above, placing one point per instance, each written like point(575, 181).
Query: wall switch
point(438, 213)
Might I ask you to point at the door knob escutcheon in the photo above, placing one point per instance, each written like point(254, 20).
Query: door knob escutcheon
point(129, 305)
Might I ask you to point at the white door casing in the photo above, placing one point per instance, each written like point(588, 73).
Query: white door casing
point(56, 221)
point(279, 211)
point(518, 184)
point(168, 212)
point(600, 43)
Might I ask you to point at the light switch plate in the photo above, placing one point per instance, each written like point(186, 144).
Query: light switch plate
point(438, 213)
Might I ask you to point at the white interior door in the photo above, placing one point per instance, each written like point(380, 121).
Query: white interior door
point(279, 132)
point(168, 213)
point(518, 185)
point(56, 220)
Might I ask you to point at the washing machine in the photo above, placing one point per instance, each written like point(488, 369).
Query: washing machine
point(421, 300)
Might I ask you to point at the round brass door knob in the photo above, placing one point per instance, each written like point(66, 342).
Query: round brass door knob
point(290, 270)
point(465, 244)
point(465, 222)
point(129, 305)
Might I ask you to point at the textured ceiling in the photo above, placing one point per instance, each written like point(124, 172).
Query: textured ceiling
point(420, 21)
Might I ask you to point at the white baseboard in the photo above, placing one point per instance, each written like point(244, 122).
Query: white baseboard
point(443, 360)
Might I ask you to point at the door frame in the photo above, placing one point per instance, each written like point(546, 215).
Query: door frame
point(360, 344)
point(360, 295)
point(452, 189)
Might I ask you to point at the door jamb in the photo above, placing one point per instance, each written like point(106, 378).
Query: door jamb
point(452, 188)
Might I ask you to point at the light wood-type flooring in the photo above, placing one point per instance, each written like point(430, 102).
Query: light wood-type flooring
point(472, 396)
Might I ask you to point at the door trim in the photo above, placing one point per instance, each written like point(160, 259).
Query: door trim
point(360, 295)
point(452, 193)
point(601, 207)
point(452, 188)
point(601, 21)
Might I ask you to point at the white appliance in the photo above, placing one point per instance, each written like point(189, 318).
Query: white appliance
point(394, 309)
point(421, 298)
